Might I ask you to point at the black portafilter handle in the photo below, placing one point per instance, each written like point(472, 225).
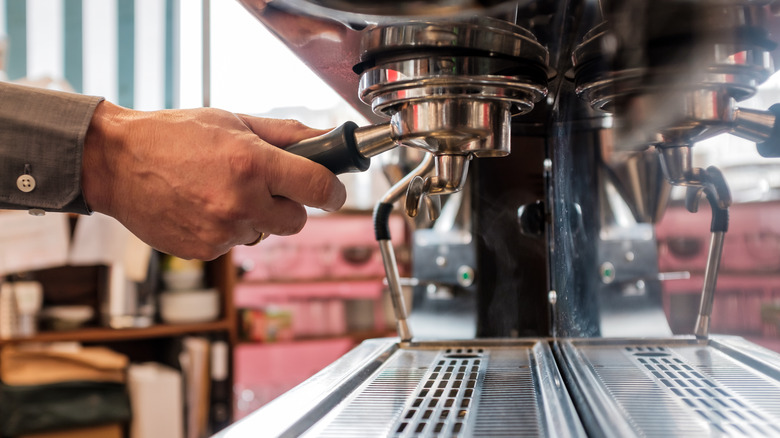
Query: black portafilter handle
point(337, 150)
point(771, 147)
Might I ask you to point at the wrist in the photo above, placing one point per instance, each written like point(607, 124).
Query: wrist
point(99, 156)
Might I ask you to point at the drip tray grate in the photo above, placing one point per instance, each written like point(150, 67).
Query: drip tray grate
point(716, 404)
point(674, 387)
point(445, 396)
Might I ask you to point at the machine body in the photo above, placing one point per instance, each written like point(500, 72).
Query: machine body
point(553, 132)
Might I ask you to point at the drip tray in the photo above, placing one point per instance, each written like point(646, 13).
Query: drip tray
point(454, 389)
point(673, 387)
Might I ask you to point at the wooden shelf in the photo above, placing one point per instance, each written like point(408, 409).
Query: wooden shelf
point(102, 334)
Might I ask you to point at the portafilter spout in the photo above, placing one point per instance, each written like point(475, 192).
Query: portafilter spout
point(449, 177)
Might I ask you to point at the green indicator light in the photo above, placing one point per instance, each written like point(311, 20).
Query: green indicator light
point(465, 276)
point(607, 270)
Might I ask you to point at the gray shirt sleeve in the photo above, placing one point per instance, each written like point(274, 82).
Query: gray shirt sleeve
point(42, 135)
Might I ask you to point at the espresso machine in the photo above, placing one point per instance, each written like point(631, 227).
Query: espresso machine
point(557, 129)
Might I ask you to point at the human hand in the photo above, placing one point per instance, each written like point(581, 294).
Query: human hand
point(194, 183)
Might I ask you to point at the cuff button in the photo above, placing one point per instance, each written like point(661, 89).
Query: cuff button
point(25, 183)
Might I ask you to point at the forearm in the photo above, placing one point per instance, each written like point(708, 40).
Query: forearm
point(42, 134)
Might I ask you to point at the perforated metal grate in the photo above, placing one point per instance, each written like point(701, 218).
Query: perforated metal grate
point(444, 399)
point(679, 388)
point(713, 402)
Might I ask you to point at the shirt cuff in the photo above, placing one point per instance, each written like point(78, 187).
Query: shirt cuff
point(42, 136)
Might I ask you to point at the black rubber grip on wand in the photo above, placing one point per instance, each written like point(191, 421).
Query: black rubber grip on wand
point(720, 215)
point(382, 221)
point(337, 150)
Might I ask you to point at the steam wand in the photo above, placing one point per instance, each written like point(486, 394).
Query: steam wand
point(676, 162)
point(718, 195)
point(382, 232)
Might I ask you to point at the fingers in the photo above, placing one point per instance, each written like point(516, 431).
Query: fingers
point(278, 132)
point(304, 181)
point(288, 217)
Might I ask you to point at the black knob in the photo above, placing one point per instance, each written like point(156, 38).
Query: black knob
point(532, 219)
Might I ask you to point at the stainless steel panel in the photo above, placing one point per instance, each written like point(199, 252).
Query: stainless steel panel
point(674, 387)
point(296, 410)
